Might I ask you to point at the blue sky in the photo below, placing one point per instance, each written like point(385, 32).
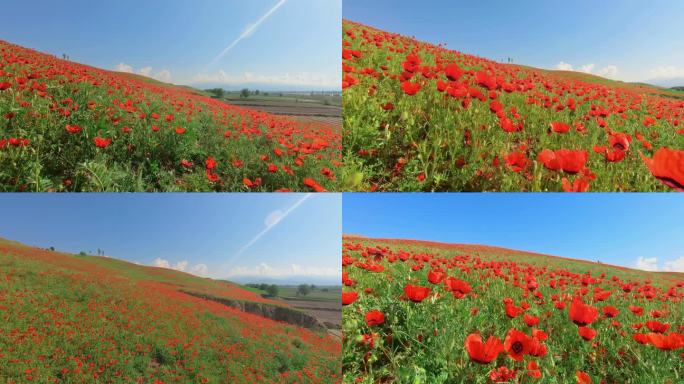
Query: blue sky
point(298, 44)
point(634, 230)
point(629, 40)
point(227, 233)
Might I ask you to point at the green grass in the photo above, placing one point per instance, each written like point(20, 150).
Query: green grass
point(153, 136)
point(73, 319)
point(436, 141)
point(424, 342)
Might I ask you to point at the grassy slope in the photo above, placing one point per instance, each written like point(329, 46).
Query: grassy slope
point(75, 318)
point(537, 259)
point(46, 94)
point(429, 142)
point(425, 341)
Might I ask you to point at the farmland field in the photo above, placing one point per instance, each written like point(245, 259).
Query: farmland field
point(300, 106)
point(420, 117)
point(82, 319)
point(422, 312)
point(323, 303)
point(70, 127)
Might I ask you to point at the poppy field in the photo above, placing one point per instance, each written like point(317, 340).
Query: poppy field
point(421, 312)
point(70, 127)
point(84, 319)
point(421, 117)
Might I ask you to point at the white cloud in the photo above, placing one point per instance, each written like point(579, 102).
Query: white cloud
point(647, 263)
point(147, 71)
point(609, 71)
point(296, 79)
point(273, 218)
point(667, 72)
point(123, 67)
point(161, 263)
point(676, 265)
point(200, 270)
point(588, 68)
point(163, 75)
point(563, 66)
point(293, 270)
point(182, 266)
point(248, 31)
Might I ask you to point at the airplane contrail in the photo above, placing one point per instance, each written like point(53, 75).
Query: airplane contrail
point(270, 226)
point(248, 31)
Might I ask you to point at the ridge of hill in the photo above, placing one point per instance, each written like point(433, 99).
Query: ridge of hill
point(453, 313)
point(499, 253)
point(66, 126)
point(75, 318)
point(421, 117)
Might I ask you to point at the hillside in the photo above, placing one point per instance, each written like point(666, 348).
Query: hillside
point(420, 117)
point(65, 126)
point(73, 319)
point(455, 313)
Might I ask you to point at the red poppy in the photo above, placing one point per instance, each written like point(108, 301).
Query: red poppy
point(636, 310)
point(640, 338)
point(581, 184)
point(311, 183)
point(102, 142)
point(582, 377)
point(559, 127)
point(530, 320)
point(349, 297)
point(619, 141)
point(416, 293)
point(180, 130)
point(533, 370)
point(457, 286)
point(410, 88)
point(212, 177)
point(252, 184)
point(435, 276)
point(388, 107)
point(512, 311)
point(570, 161)
point(210, 163)
point(657, 326)
point(483, 353)
point(374, 317)
point(582, 314)
point(517, 344)
point(669, 342)
point(516, 161)
point(610, 311)
point(586, 333)
point(503, 374)
point(73, 128)
point(453, 72)
point(667, 165)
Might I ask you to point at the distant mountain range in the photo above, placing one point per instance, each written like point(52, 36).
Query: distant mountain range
point(667, 83)
point(290, 280)
point(265, 87)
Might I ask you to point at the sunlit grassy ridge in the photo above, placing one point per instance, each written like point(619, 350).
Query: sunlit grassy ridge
point(81, 319)
point(65, 126)
point(420, 117)
point(490, 291)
